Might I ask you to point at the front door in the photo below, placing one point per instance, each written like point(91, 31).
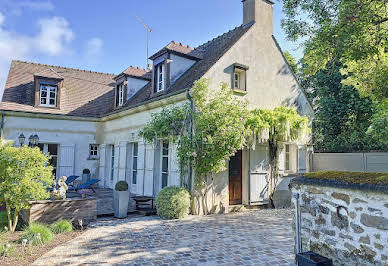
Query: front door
point(235, 179)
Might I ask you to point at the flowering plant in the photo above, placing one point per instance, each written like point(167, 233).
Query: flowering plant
point(85, 192)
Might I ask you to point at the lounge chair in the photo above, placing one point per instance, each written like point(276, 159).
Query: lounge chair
point(87, 185)
point(71, 179)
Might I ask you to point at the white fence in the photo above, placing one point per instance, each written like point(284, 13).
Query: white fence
point(356, 162)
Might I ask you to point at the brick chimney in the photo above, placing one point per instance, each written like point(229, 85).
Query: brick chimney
point(260, 12)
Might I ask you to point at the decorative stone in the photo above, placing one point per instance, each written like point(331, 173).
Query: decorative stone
point(320, 220)
point(377, 236)
point(328, 232)
point(341, 196)
point(308, 209)
point(349, 246)
point(374, 221)
point(356, 228)
point(352, 215)
point(357, 200)
point(365, 239)
point(331, 242)
point(374, 210)
point(306, 198)
point(314, 190)
point(343, 236)
point(323, 209)
point(329, 202)
point(367, 253)
point(339, 221)
point(315, 234)
point(386, 205)
point(383, 257)
point(306, 222)
point(358, 209)
point(378, 246)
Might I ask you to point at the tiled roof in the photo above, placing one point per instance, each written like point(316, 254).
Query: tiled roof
point(211, 52)
point(84, 93)
point(136, 72)
point(48, 73)
point(91, 94)
point(178, 48)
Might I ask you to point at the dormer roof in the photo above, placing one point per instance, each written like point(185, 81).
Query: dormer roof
point(178, 48)
point(135, 72)
point(49, 73)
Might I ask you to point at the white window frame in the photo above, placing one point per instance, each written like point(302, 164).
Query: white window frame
point(120, 94)
point(287, 157)
point(93, 151)
point(135, 157)
point(160, 76)
point(48, 97)
point(161, 163)
point(112, 162)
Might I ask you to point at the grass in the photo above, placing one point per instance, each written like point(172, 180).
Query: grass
point(62, 226)
point(352, 177)
point(30, 233)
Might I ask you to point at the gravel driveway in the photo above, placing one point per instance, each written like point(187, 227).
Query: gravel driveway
point(262, 237)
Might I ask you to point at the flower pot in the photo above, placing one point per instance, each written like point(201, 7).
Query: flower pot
point(120, 203)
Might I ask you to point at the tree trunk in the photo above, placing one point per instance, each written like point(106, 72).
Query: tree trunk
point(274, 168)
point(15, 219)
point(10, 225)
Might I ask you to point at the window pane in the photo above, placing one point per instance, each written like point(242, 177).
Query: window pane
point(165, 147)
point(43, 101)
point(134, 163)
point(165, 164)
point(164, 180)
point(44, 93)
point(53, 161)
point(287, 148)
point(52, 101)
point(134, 177)
point(41, 146)
point(135, 149)
point(53, 149)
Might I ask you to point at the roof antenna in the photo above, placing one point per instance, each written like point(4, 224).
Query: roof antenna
point(149, 30)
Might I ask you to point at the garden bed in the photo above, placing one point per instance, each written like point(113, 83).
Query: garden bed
point(32, 253)
point(49, 211)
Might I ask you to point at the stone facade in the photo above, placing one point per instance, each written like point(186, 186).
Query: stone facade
point(348, 225)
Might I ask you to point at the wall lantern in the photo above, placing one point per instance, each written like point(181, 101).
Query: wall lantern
point(33, 141)
point(21, 138)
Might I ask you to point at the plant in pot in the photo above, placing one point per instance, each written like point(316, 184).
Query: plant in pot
point(120, 199)
point(85, 175)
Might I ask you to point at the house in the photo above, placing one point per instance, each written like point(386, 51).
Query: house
point(91, 120)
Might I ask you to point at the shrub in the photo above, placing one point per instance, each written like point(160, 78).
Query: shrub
point(61, 226)
point(173, 203)
point(30, 233)
point(121, 186)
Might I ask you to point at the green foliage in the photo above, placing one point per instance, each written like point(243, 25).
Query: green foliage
point(173, 203)
point(291, 61)
point(351, 177)
point(121, 186)
point(378, 129)
point(3, 221)
point(24, 175)
point(355, 32)
point(30, 233)
point(9, 252)
point(341, 115)
point(62, 226)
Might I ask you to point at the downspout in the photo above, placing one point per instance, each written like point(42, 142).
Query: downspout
point(297, 223)
point(2, 124)
point(190, 170)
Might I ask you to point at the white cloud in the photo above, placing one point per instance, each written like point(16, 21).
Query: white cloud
point(94, 46)
point(55, 34)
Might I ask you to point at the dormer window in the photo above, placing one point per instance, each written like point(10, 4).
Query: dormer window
point(48, 95)
point(239, 77)
point(160, 77)
point(120, 93)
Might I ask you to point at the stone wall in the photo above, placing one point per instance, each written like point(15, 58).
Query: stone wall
point(345, 222)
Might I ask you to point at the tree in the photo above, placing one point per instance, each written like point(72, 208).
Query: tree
point(222, 125)
point(353, 31)
point(276, 126)
point(291, 61)
point(24, 176)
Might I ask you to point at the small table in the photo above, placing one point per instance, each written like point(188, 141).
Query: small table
point(143, 201)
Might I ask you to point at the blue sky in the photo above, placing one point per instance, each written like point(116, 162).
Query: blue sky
point(106, 36)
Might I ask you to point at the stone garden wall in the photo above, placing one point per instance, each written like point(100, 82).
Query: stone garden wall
point(345, 222)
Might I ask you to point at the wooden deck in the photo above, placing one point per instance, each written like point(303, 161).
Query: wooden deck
point(105, 201)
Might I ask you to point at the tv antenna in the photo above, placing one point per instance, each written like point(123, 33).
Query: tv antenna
point(149, 30)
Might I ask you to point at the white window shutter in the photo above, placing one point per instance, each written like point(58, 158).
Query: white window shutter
point(301, 159)
point(66, 160)
point(282, 158)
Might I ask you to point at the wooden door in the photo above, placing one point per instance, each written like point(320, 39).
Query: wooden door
point(235, 179)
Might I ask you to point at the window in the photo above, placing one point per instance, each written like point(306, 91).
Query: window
point(52, 150)
point(287, 159)
point(112, 162)
point(48, 95)
point(134, 162)
point(237, 80)
point(93, 151)
point(120, 94)
point(165, 163)
point(160, 77)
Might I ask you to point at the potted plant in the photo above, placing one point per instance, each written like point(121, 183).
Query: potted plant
point(120, 199)
point(85, 175)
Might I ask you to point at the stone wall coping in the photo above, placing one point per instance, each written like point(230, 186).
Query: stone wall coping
point(302, 180)
point(60, 200)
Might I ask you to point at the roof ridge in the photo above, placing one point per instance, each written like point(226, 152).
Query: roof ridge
point(71, 68)
point(217, 37)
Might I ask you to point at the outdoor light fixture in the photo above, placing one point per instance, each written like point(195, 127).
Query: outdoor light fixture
point(33, 140)
point(22, 138)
